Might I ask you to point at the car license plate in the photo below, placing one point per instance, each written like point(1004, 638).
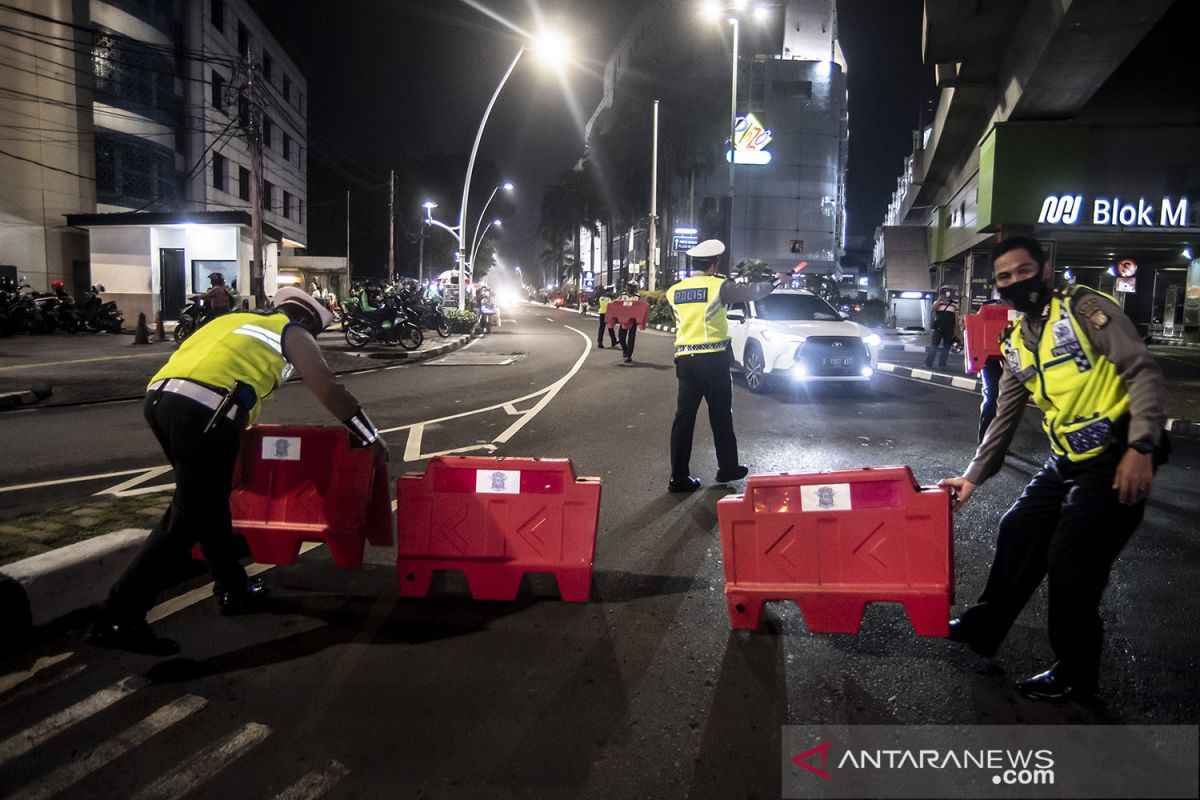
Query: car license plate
point(836, 362)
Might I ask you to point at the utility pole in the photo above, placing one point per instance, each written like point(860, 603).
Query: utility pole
point(421, 254)
point(391, 225)
point(652, 255)
point(255, 141)
point(349, 282)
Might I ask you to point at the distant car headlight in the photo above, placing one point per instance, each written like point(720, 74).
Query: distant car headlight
point(872, 340)
point(783, 338)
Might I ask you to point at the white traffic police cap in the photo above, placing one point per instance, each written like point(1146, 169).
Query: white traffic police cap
point(709, 248)
point(290, 294)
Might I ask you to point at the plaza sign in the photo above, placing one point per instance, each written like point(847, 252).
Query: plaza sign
point(1067, 210)
point(750, 139)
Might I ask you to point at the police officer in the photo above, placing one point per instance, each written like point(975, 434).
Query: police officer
point(602, 303)
point(702, 359)
point(1102, 394)
point(197, 406)
point(628, 336)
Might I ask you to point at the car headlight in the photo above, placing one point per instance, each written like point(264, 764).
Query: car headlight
point(783, 338)
point(872, 340)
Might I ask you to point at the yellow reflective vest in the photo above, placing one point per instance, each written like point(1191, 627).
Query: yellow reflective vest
point(604, 301)
point(234, 348)
point(1073, 383)
point(700, 324)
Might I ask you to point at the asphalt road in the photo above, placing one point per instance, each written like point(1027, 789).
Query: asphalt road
point(344, 689)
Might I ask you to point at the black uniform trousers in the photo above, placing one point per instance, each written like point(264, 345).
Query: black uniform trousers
point(1068, 526)
point(703, 376)
point(612, 336)
point(939, 345)
point(628, 336)
point(989, 376)
point(199, 510)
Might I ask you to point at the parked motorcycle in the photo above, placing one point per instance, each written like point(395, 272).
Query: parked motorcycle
point(425, 313)
point(101, 315)
point(387, 325)
point(21, 311)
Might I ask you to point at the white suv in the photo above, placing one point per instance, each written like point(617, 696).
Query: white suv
point(797, 335)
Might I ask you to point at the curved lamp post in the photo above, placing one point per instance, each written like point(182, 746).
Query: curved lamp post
point(549, 45)
point(479, 240)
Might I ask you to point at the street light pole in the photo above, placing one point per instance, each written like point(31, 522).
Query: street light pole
point(463, 266)
point(732, 130)
point(652, 255)
point(479, 240)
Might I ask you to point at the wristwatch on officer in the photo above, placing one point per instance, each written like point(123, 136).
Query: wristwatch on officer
point(1142, 446)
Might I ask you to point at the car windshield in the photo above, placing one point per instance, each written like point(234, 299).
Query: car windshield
point(804, 307)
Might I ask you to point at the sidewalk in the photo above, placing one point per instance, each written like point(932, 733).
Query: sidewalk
point(61, 369)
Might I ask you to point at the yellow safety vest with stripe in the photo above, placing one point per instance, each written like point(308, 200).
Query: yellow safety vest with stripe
point(700, 324)
point(604, 301)
point(233, 348)
point(1073, 383)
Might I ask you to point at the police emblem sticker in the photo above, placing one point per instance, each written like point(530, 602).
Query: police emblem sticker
point(497, 481)
point(1091, 309)
point(281, 448)
point(825, 497)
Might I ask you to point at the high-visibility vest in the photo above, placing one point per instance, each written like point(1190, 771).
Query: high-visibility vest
point(1074, 384)
point(604, 301)
point(700, 325)
point(234, 348)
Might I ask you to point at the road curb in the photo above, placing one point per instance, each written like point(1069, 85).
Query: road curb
point(384, 355)
point(43, 588)
point(1174, 343)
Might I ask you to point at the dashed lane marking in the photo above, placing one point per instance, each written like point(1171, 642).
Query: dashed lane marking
point(21, 743)
point(70, 774)
point(192, 772)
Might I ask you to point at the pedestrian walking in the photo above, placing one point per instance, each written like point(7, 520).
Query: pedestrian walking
point(1089, 372)
point(197, 406)
point(606, 295)
point(945, 328)
point(702, 361)
point(628, 336)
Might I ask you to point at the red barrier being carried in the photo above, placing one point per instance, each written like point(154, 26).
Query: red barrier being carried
point(304, 483)
point(982, 332)
point(627, 313)
point(496, 519)
point(834, 541)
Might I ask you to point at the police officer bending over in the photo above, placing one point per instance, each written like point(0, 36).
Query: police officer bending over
point(1102, 394)
point(197, 406)
point(702, 359)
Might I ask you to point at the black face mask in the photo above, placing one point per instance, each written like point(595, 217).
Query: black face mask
point(1028, 296)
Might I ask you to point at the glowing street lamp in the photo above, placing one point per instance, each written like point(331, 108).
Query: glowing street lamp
point(549, 47)
point(479, 239)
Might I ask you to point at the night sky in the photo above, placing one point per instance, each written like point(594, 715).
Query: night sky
point(392, 81)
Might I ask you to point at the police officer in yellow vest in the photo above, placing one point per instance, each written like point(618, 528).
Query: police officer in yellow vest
point(1081, 359)
point(702, 359)
point(605, 298)
point(197, 406)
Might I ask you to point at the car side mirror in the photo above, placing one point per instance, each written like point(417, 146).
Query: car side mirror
point(735, 316)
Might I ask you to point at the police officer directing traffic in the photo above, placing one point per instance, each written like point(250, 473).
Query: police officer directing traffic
point(702, 359)
point(1089, 372)
point(197, 406)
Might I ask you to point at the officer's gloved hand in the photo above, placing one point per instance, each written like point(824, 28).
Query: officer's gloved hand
point(380, 451)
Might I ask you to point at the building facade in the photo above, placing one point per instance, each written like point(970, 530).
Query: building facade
point(140, 149)
point(1077, 126)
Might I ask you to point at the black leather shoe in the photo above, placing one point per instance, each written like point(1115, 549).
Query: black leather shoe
point(135, 637)
point(1049, 687)
point(685, 484)
point(628, 359)
point(246, 601)
point(735, 474)
point(962, 633)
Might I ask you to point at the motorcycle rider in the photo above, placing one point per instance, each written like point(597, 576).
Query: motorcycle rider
point(218, 299)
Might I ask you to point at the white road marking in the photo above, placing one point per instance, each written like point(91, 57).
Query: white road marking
point(923, 383)
point(12, 679)
point(21, 743)
point(68, 775)
point(192, 772)
point(175, 604)
point(885, 367)
point(133, 487)
point(315, 784)
point(80, 479)
point(78, 361)
point(922, 374)
point(965, 383)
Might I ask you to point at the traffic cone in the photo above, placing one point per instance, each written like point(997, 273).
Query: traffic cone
point(142, 334)
point(160, 335)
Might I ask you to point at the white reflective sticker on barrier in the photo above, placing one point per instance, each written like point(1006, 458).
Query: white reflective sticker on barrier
point(825, 497)
point(498, 481)
point(281, 448)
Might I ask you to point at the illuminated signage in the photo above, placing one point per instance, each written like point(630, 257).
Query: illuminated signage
point(750, 139)
point(1068, 209)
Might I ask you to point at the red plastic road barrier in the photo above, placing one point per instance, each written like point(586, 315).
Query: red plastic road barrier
point(296, 483)
point(982, 332)
point(626, 312)
point(496, 519)
point(834, 541)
